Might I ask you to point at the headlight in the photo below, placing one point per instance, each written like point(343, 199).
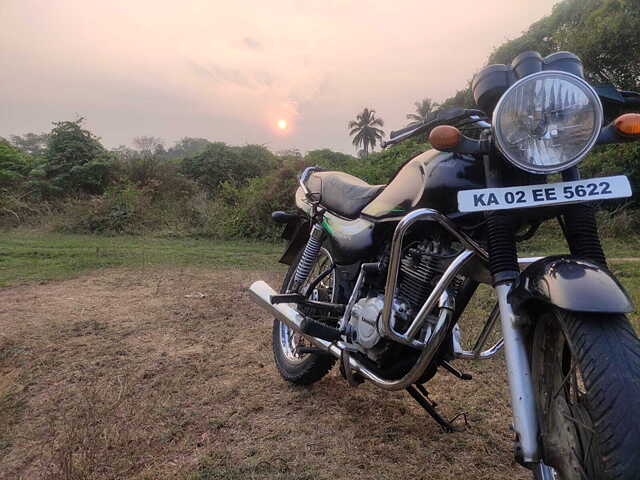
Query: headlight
point(547, 122)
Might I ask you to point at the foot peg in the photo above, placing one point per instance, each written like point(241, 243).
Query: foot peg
point(320, 330)
point(298, 299)
point(312, 351)
point(283, 217)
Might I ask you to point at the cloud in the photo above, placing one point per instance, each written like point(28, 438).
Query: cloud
point(252, 79)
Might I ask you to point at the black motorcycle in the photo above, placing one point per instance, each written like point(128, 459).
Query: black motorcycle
point(380, 274)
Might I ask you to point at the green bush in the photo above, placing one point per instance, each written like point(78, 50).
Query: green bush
point(221, 163)
point(244, 211)
point(615, 160)
point(14, 165)
point(75, 162)
point(121, 209)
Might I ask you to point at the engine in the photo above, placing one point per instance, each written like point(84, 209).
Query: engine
point(421, 266)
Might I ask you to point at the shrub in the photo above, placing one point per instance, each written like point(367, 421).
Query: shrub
point(14, 165)
point(75, 162)
point(615, 160)
point(221, 163)
point(122, 209)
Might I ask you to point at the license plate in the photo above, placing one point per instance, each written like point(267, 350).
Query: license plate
point(486, 199)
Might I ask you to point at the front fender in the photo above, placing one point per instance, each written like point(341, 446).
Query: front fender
point(570, 283)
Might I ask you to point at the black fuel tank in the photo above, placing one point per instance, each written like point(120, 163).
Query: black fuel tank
point(430, 180)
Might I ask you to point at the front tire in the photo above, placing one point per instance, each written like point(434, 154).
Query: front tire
point(586, 373)
point(303, 369)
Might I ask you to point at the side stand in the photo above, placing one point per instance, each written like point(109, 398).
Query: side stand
point(420, 395)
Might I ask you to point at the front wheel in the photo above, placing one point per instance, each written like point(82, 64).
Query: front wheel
point(586, 374)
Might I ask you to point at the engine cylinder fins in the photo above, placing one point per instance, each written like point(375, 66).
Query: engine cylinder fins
point(418, 270)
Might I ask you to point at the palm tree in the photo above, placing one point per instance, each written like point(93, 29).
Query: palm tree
point(364, 130)
point(424, 109)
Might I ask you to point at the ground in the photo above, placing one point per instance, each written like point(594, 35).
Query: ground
point(165, 371)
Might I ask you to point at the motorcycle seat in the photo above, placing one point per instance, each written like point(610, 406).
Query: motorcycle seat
point(342, 193)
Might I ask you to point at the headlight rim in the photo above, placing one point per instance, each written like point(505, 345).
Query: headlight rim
point(599, 113)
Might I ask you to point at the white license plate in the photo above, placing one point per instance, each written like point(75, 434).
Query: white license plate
point(486, 199)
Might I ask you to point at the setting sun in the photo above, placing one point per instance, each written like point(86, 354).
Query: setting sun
point(282, 124)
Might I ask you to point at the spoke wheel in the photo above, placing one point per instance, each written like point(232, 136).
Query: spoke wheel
point(294, 366)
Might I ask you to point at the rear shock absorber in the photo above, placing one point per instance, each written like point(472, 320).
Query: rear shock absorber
point(309, 256)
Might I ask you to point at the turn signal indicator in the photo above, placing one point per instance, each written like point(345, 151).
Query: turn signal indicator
point(628, 124)
point(445, 137)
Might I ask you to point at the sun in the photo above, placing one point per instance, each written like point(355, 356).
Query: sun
point(282, 124)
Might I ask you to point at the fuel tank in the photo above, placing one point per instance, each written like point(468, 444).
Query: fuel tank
point(430, 180)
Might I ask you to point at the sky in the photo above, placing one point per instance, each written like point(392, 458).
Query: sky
point(230, 70)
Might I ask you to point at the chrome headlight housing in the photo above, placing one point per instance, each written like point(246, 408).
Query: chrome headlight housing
point(547, 122)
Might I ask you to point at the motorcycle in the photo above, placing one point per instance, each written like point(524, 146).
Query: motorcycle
point(380, 274)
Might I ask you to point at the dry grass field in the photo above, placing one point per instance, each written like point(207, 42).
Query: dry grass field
point(167, 373)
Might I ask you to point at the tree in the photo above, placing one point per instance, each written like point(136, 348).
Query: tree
point(462, 98)
point(14, 164)
point(76, 161)
point(364, 130)
point(187, 147)
point(124, 153)
point(31, 143)
point(424, 109)
point(604, 33)
point(149, 145)
point(329, 159)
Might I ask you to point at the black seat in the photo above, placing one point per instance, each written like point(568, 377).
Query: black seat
point(342, 193)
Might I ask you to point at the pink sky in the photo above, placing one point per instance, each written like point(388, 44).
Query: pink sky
point(229, 71)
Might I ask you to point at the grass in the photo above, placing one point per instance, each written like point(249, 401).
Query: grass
point(628, 273)
point(549, 241)
point(27, 257)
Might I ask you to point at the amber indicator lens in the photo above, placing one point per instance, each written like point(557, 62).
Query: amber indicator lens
point(444, 137)
point(628, 124)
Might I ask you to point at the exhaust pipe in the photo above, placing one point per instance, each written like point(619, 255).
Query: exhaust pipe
point(261, 293)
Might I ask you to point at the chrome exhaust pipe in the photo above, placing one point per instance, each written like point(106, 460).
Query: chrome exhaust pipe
point(262, 292)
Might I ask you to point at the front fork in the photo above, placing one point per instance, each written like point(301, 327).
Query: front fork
point(523, 402)
point(503, 263)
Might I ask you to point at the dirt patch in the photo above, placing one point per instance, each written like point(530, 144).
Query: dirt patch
point(121, 375)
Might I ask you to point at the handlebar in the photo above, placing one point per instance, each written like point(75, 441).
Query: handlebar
point(448, 116)
point(404, 130)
